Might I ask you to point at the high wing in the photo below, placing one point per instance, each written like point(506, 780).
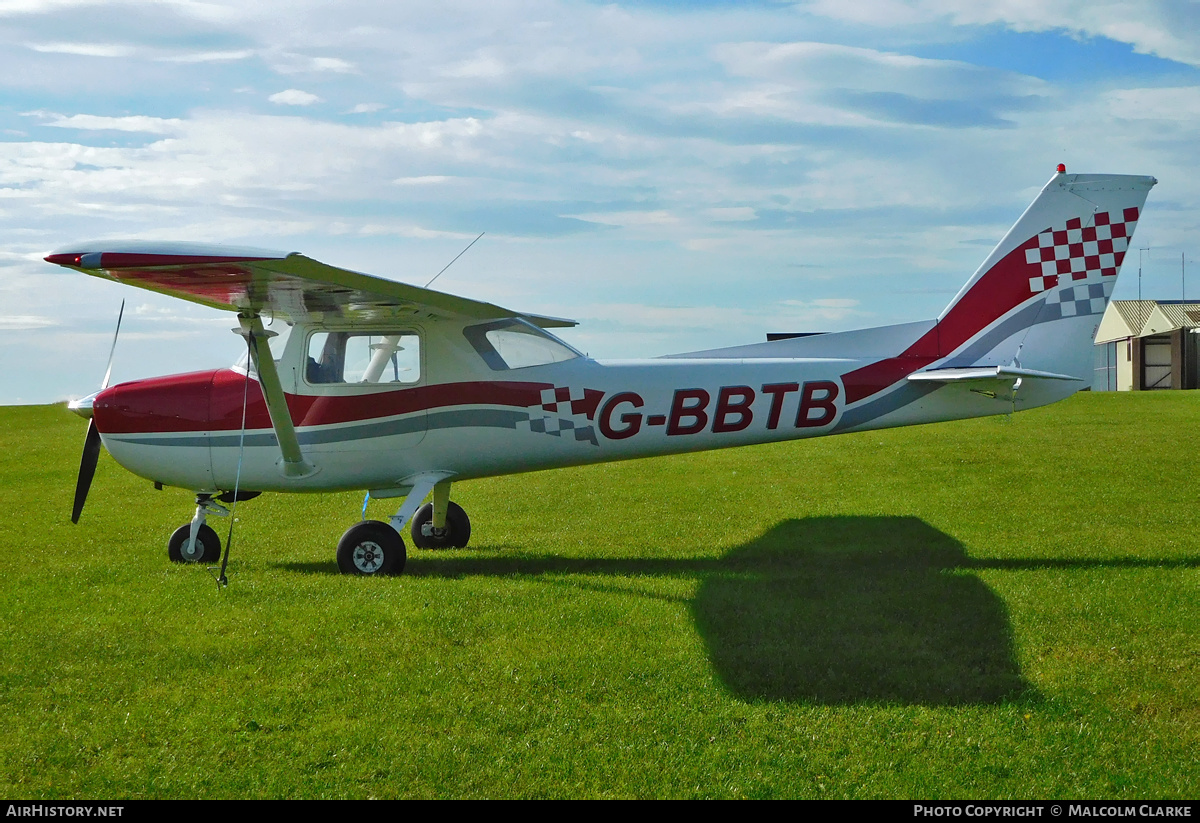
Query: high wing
point(285, 284)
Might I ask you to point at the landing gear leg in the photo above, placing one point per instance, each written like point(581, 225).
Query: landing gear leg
point(441, 524)
point(196, 542)
point(373, 547)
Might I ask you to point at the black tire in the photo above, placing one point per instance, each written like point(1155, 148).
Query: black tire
point(456, 535)
point(371, 548)
point(206, 550)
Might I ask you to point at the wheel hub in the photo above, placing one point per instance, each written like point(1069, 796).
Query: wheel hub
point(368, 557)
point(192, 549)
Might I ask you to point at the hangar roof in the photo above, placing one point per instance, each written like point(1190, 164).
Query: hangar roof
point(1141, 318)
point(1123, 319)
point(1167, 317)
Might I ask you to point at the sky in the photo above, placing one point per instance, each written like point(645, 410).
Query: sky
point(673, 175)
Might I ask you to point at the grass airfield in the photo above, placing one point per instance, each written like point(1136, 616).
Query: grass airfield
point(997, 608)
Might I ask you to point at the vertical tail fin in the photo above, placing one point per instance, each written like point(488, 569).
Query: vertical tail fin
point(1037, 299)
point(1033, 306)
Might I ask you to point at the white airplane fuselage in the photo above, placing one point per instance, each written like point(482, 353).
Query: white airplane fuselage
point(469, 421)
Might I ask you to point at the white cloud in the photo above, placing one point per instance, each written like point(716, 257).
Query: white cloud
point(84, 49)
point(658, 217)
point(423, 180)
point(292, 63)
point(207, 56)
point(731, 214)
point(402, 230)
point(1167, 28)
point(23, 322)
point(800, 70)
point(334, 64)
point(480, 67)
point(294, 97)
point(1174, 104)
point(825, 303)
point(134, 123)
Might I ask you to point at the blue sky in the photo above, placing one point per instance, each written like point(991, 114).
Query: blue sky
point(674, 175)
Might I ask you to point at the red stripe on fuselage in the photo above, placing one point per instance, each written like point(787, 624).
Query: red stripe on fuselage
point(212, 401)
point(1001, 289)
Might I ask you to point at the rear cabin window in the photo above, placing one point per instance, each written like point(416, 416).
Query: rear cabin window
point(341, 357)
point(516, 344)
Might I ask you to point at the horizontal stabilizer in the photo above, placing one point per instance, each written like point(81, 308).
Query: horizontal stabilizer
point(986, 373)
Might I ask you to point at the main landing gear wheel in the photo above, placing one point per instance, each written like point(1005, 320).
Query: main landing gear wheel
point(456, 534)
point(207, 548)
point(371, 548)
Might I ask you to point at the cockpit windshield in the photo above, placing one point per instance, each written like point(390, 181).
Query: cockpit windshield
point(516, 344)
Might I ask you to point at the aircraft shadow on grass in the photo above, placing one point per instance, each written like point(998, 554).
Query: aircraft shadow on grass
point(827, 610)
point(844, 610)
point(833, 610)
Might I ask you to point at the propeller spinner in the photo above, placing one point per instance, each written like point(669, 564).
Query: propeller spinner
point(91, 441)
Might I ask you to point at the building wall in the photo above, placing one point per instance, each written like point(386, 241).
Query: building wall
point(1104, 367)
point(1116, 366)
point(1125, 358)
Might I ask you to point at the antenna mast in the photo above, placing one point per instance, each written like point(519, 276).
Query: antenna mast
point(451, 263)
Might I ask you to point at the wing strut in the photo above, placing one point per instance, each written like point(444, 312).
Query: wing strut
point(293, 463)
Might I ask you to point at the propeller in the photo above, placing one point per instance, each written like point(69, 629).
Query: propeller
point(91, 441)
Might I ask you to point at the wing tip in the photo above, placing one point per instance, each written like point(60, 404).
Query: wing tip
point(545, 321)
point(134, 254)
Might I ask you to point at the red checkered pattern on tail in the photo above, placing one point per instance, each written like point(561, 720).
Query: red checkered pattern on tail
point(1078, 250)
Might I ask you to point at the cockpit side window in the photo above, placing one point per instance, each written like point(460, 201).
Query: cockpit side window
point(277, 339)
point(342, 357)
point(516, 344)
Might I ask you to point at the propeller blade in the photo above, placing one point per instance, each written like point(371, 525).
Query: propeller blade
point(87, 469)
point(113, 349)
point(91, 441)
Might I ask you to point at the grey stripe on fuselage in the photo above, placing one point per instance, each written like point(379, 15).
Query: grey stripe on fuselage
point(906, 392)
point(458, 418)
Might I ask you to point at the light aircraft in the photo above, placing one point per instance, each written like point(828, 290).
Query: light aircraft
point(403, 391)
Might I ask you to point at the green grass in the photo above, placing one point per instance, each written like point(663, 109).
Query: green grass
point(999, 608)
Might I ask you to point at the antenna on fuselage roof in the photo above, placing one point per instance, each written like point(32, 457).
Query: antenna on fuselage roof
point(451, 263)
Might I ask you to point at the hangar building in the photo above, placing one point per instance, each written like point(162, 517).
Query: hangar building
point(1148, 344)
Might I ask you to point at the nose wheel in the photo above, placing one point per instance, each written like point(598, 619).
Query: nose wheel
point(205, 549)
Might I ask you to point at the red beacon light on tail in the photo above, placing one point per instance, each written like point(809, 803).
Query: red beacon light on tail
point(1062, 168)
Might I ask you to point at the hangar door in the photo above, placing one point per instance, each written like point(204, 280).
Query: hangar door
point(1156, 362)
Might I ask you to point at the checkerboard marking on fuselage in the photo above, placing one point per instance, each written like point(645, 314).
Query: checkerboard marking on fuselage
point(555, 414)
